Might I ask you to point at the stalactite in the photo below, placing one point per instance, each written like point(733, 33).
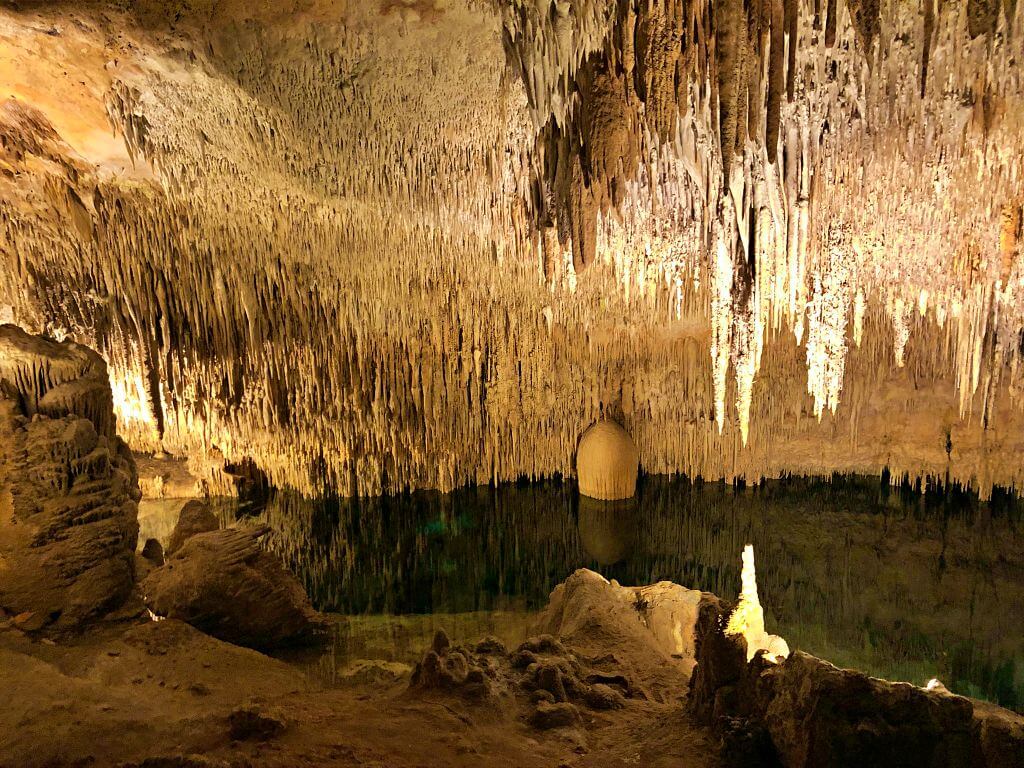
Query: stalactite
point(374, 255)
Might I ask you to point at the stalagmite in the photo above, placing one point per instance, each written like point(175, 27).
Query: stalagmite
point(607, 462)
point(747, 618)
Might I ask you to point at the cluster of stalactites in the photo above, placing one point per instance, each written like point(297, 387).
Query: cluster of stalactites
point(782, 86)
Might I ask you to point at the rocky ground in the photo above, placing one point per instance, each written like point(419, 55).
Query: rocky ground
point(160, 693)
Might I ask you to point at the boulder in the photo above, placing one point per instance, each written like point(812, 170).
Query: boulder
point(68, 486)
point(225, 584)
point(647, 624)
point(194, 517)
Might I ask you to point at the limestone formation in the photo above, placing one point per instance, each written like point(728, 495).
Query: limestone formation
point(225, 584)
point(379, 246)
point(607, 462)
point(194, 517)
point(747, 618)
point(799, 711)
point(68, 490)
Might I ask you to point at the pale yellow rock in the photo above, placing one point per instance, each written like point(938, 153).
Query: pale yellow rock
point(607, 462)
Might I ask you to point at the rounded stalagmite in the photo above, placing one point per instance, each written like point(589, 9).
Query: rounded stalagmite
point(607, 462)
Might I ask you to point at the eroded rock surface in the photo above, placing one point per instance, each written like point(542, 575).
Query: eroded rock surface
point(802, 712)
point(68, 489)
point(195, 517)
point(224, 583)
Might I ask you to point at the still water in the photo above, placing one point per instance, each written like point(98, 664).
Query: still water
point(907, 584)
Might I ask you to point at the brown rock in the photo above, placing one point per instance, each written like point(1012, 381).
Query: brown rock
point(68, 488)
point(225, 584)
point(559, 715)
point(153, 552)
point(195, 517)
point(249, 723)
point(824, 717)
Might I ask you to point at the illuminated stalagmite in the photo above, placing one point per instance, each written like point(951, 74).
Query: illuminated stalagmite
point(375, 246)
point(747, 618)
point(607, 462)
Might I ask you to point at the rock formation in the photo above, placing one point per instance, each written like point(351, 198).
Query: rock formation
point(225, 584)
point(798, 711)
point(68, 490)
point(747, 618)
point(770, 237)
point(607, 462)
point(193, 517)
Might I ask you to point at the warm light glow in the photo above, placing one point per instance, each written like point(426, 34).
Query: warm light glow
point(747, 618)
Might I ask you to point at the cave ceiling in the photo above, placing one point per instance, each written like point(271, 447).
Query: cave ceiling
point(399, 244)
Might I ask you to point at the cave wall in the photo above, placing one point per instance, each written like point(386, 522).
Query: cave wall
point(68, 488)
point(388, 245)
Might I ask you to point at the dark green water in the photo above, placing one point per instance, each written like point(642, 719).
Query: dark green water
point(906, 585)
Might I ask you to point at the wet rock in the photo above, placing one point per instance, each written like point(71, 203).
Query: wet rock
point(558, 715)
point(252, 724)
point(195, 517)
point(68, 486)
point(225, 584)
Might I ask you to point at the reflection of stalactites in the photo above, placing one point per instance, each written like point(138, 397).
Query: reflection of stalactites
point(721, 323)
point(826, 337)
point(607, 528)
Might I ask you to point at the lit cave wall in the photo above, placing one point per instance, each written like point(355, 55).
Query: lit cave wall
point(377, 246)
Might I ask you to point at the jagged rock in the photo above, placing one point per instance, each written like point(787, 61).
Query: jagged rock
point(823, 717)
point(224, 583)
point(801, 712)
point(452, 669)
point(590, 611)
point(195, 517)
point(68, 489)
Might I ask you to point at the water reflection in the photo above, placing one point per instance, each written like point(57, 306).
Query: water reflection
point(906, 584)
point(607, 529)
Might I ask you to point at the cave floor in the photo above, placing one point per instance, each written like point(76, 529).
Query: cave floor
point(153, 693)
